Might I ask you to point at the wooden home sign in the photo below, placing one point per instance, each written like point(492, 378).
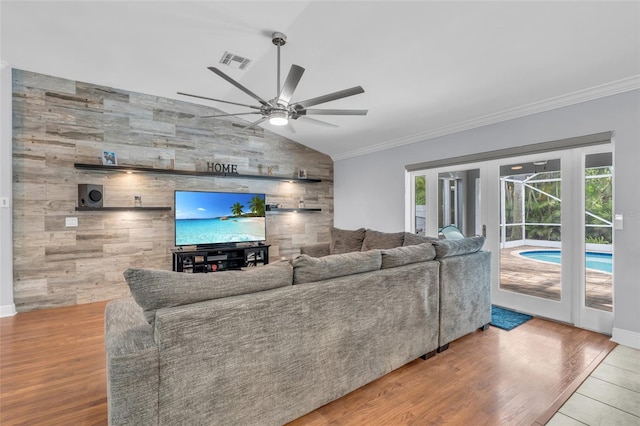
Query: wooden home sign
point(222, 168)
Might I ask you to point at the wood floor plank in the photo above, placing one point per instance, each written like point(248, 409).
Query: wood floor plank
point(52, 371)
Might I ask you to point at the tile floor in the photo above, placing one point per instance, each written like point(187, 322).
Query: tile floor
point(609, 396)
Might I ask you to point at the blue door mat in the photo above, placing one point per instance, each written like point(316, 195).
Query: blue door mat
point(506, 319)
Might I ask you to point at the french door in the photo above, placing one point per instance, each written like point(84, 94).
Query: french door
point(547, 219)
point(442, 197)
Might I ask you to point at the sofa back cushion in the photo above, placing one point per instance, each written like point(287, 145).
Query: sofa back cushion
point(405, 255)
point(308, 269)
point(381, 240)
point(346, 241)
point(411, 239)
point(447, 248)
point(154, 289)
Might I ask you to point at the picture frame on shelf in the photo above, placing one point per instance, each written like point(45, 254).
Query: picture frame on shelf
point(302, 173)
point(109, 158)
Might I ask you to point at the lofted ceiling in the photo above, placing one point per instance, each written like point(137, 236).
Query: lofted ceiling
point(428, 68)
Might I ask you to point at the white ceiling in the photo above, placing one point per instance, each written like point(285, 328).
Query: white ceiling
point(428, 67)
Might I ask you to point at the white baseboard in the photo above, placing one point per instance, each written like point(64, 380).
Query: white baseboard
point(626, 338)
point(7, 310)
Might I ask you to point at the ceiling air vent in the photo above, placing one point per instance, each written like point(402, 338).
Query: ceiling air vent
point(234, 60)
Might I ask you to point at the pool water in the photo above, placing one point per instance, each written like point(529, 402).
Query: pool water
point(599, 261)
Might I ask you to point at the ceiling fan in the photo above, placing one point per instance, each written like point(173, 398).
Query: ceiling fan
point(280, 110)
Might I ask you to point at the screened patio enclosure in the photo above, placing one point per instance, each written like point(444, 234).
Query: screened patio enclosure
point(531, 207)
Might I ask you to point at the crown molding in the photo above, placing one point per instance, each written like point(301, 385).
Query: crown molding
point(596, 92)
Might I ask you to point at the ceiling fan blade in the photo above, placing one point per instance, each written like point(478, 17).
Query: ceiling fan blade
point(229, 115)
point(290, 84)
point(331, 97)
point(318, 122)
point(218, 100)
point(255, 123)
point(333, 112)
point(290, 128)
point(239, 86)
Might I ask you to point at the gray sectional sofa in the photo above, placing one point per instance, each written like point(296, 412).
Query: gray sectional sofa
point(464, 274)
point(266, 345)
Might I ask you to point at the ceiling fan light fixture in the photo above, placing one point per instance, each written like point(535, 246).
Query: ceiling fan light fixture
point(279, 117)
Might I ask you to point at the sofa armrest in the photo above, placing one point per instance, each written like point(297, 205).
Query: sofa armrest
point(465, 295)
point(315, 250)
point(132, 365)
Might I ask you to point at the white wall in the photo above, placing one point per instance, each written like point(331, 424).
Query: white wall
point(369, 190)
point(7, 306)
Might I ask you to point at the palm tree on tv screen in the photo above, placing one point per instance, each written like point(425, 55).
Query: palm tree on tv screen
point(257, 205)
point(236, 209)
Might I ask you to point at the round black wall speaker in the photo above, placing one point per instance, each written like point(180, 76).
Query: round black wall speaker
point(90, 195)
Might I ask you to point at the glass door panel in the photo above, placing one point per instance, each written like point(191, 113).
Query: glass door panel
point(420, 204)
point(459, 200)
point(530, 228)
point(416, 202)
point(598, 207)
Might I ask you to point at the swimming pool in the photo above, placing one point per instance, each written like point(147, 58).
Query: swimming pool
point(599, 261)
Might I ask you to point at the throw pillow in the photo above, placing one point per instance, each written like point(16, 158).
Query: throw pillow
point(447, 248)
point(405, 255)
point(411, 239)
point(381, 240)
point(346, 241)
point(154, 289)
point(307, 269)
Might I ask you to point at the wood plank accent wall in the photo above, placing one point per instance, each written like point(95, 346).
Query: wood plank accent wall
point(59, 122)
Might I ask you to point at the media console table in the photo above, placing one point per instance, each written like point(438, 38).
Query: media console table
point(220, 259)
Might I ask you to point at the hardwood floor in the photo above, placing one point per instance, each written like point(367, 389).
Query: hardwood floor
point(52, 372)
point(53, 367)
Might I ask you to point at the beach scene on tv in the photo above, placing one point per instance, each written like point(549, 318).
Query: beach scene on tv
point(219, 217)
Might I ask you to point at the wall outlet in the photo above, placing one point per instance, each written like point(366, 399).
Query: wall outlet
point(71, 221)
point(4, 202)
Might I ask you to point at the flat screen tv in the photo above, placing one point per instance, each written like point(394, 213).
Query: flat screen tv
point(207, 219)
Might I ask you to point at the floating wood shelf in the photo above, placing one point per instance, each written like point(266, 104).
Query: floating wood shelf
point(121, 209)
point(303, 210)
point(137, 169)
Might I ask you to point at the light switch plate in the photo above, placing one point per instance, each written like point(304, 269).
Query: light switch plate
point(71, 221)
point(4, 202)
point(618, 221)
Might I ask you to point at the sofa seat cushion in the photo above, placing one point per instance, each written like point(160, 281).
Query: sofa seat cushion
point(308, 269)
point(447, 248)
point(155, 289)
point(346, 241)
point(405, 255)
point(381, 240)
